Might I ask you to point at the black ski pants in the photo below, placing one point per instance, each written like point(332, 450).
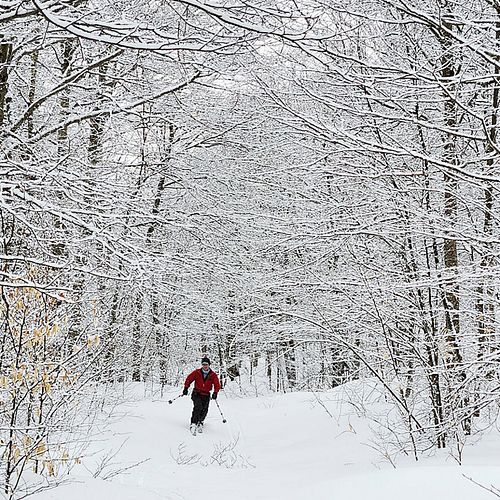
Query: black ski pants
point(200, 407)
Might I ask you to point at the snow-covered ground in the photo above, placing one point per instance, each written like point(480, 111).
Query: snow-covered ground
point(288, 446)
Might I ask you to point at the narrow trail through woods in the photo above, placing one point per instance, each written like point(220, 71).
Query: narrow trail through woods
point(272, 447)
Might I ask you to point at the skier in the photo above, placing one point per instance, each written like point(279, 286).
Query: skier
point(204, 379)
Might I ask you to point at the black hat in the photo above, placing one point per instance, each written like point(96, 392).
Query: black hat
point(205, 360)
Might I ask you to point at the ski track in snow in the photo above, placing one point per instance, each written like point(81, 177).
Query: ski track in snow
point(272, 447)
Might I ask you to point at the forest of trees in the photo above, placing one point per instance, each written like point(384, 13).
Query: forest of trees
point(304, 187)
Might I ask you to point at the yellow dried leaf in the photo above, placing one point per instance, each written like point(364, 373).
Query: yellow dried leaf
point(93, 341)
point(37, 335)
point(41, 449)
point(49, 465)
point(27, 441)
point(15, 374)
point(4, 382)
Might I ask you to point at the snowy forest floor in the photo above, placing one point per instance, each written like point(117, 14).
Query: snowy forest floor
point(282, 446)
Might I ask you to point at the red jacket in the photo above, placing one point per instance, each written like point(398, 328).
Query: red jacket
point(202, 386)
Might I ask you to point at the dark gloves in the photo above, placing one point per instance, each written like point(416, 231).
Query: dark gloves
point(214, 395)
point(185, 391)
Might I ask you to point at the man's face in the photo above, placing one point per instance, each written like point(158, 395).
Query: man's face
point(205, 366)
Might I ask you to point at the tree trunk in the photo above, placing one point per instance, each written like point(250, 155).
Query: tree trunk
point(32, 92)
point(290, 363)
point(5, 61)
point(451, 300)
point(485, 302)
point(136, 342)
point(68, 49)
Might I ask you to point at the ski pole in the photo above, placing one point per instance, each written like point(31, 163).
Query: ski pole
point(223, 419)
point(170, 401)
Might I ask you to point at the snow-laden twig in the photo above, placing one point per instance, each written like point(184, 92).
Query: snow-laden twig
point(492, 489)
